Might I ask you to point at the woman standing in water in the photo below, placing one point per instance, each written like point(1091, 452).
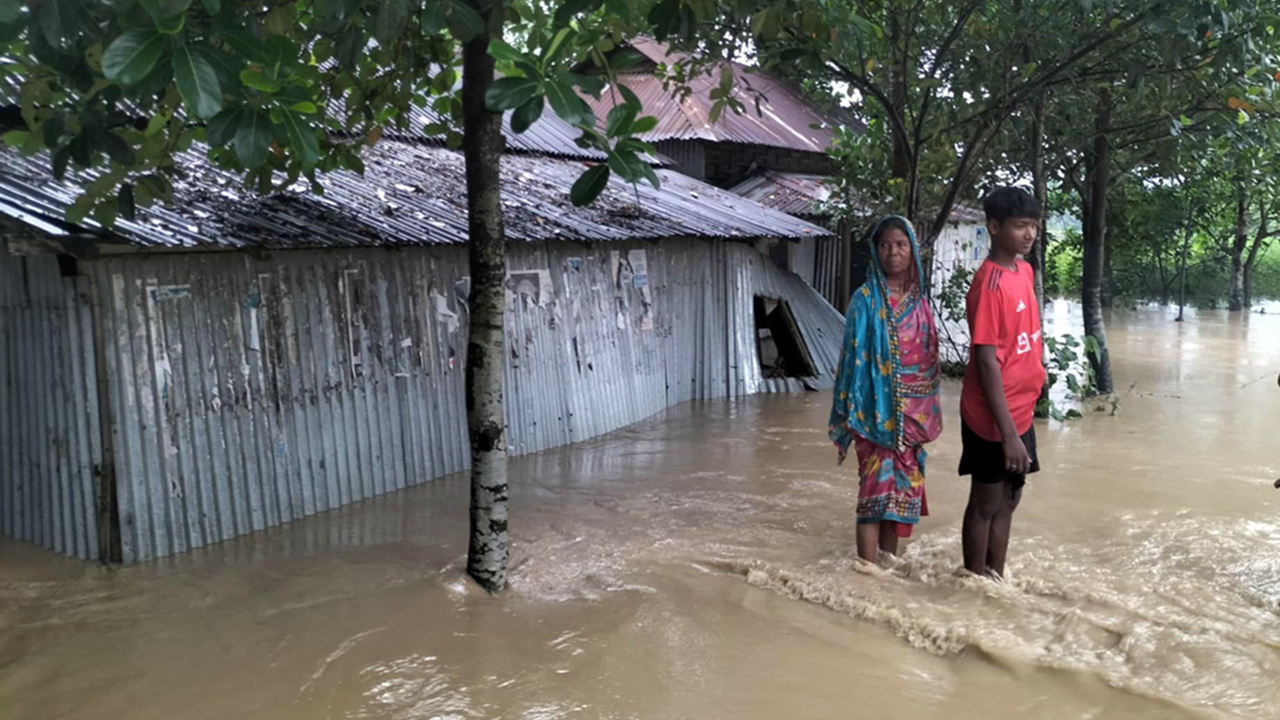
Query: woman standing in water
point(886, 392)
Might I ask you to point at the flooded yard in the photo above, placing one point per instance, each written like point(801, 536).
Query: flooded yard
point(701, 565)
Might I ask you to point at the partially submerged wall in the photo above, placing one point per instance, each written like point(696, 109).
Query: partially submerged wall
point(245, 393)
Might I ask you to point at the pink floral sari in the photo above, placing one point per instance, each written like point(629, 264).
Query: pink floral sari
point(891, 480)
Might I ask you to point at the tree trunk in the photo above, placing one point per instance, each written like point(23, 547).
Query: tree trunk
point(1235, 300)
point(1040, 188)
point(1255, 252)
point(1098, 181)
point(483, 145)
point(1187, 232)
point(902, 166)
point(1108, 272)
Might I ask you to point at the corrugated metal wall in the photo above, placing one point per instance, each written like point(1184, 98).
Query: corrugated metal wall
point(246, 393)
point(50, 445)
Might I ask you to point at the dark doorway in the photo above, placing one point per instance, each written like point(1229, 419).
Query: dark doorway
point(783, 353)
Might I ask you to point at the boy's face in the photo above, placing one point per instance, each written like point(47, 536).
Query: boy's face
point(1015, 235)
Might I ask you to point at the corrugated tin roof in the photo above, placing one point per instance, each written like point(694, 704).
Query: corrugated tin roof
point(786, 118)
point(791, 193)
point(410, 194)
point(967, 214)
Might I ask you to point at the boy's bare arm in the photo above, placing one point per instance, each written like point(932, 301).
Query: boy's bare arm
point(1016, 457)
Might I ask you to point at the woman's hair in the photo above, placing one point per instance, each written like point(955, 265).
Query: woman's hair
point(888, 224)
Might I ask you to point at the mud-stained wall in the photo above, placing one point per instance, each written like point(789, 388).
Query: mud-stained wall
point(246, 393)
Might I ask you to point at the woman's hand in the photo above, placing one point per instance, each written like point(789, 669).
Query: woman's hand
point(1016, 458)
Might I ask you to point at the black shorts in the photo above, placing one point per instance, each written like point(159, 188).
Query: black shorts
point(984, 459)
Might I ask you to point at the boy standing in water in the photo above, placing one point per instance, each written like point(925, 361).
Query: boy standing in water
point(1002, 382)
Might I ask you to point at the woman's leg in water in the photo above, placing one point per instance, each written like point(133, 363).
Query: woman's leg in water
point(889, 537)
point(869, 540)
point(998, 543)
point(985, 500)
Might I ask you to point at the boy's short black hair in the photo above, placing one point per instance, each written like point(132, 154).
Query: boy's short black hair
point(1010, 202)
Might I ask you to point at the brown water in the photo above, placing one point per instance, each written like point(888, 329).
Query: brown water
point(700, 565)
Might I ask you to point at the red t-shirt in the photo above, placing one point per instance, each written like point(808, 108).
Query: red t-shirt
point(1002, 311)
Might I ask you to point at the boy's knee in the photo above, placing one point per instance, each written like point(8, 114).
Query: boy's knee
point(986, 502)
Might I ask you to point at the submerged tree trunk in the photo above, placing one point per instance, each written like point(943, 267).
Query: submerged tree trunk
point(1235, 299)
point(1187, 232)
point(1255, 253)
point(1097, 183)
point(483, 145)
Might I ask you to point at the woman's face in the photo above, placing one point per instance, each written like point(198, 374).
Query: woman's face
point(894, 249)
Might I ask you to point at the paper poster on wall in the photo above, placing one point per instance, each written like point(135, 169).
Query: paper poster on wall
point(640, 274)
point(443, 313)
point(532, 286)
point(646, 319)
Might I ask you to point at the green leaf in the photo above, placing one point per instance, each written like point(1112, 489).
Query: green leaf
point(253, 138)
point(527, 114)
point(1187, 122)
point(53, 130)
point(170, 16)
point(638, 147)
point(391, 22)
point(592, 85)
point(197, 82)
point(626, 166)
point(10, 10)
point(435, 16)
point(302, 139)
point(626, 60)
point(227, 65)
point(349, 48)
point(115, 147)
point(566, 103)
point(569, 8)
point(629, 96)
point(644, 125)
point(223, 127)
point(464, 22)
point(212, 6)
point(305, 107)
point(61, 157)
point(589, 186)
point(510, 93)
point(651, 175)
point(132, 56)
point(620, 120)
point(279, 56)
point(258, 81)
point(245, 44)
point(1074, 414)
point(503, 52)
point(555, 45)
point(80, 209)
point(17, 138)
point(124, 199)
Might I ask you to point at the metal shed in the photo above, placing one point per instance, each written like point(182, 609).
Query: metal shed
point(234, 362)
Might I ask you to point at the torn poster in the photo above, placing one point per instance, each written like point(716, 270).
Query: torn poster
point(443, 313)
point(640, 274)
point(534, 286)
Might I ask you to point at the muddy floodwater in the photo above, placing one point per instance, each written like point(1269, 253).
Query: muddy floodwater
point(701, 565)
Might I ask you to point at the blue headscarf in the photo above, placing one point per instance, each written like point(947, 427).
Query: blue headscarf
point(868, 392)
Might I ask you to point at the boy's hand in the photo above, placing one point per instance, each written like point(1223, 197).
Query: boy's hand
point(1016, 458)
